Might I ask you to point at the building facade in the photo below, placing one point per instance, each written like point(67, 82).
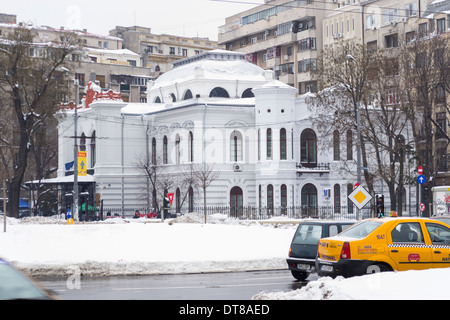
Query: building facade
point(220, 112)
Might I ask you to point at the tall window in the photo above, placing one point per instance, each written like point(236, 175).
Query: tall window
point(236, 146)
point(283, 146)
point(178, 199)
point(349, 202)
point(93, 150)
point(337, 198)
point(191, 199)
point(308, 146)
point(154, 151)
point(336, 146)
point(349, 145)
point(165, 155)
point(269, 143)
point(270, 198)
point(177, 149)
point(259, 144)
point(191, 147)
point(283, 197)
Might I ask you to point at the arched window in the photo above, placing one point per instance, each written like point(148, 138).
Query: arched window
point(188, 95)
point(283, 197)
point(191, 147)
point(157, 100)
point(308, 146)
point(269, 143)
point(270, 199)
point(337, 198)
point(191, 199)
point(165, 152)
point(177, 149)
point(283, 145)
point(174, 98)
point(153, 151)
point(349, 202)
point(178, 199)
point(309, 200)
point(336, 146)
point(236, 146)
point(93, 150)
point(349, 145)
point(248, 93)
point(236, 202)
point(219, 92)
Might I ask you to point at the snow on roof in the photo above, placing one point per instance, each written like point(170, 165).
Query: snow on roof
point(212, 70)
point(108, 51)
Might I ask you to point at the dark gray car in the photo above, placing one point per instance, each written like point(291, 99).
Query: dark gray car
point(303, 250)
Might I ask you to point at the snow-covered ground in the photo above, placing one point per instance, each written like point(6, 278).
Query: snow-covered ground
point(43, 246)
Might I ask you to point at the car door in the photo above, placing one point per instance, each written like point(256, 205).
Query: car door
point(440, 240)
point(407, 247)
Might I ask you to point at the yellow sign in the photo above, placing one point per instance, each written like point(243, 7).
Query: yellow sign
point(82, 163)
point(360, 197)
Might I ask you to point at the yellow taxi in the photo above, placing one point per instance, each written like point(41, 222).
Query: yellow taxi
point(386, 244)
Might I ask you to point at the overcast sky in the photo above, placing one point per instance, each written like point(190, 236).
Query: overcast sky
point(178, 17)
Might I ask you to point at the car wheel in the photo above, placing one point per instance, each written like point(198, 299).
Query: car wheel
point(376, 268)
point(299, 275)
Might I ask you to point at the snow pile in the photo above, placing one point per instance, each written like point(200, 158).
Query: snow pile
point(45, 246)
point(429, 284)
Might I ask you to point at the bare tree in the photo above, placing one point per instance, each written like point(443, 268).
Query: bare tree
point(353, 77)
point(205, 175)
point(30, 87)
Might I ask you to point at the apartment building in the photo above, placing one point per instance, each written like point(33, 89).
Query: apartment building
point(282, 35)
point(159, 51)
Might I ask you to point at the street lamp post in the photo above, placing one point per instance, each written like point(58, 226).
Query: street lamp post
point(75, 153)
point(358, 130)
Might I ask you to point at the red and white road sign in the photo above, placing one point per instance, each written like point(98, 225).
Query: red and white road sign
point(420, 170)
point(422, 207)
point(170, 196)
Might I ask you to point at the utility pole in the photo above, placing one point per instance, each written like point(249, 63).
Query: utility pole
point(75, 153)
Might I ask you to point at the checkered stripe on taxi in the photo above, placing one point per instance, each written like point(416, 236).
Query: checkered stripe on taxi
point(418, 245)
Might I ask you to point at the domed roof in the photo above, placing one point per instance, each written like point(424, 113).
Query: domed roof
point(212, 65)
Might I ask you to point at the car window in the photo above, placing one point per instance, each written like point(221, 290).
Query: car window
point(14, 285)
point(308, 234)
point(407, 232)
point(333, 230)
point(361, 229)
point(438, 234)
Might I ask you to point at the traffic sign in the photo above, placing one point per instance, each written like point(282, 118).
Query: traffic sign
point(170, 196)
point(360, 197)
point(82, 167)
point(422, 207)
point(421, 179)
point(420, 170)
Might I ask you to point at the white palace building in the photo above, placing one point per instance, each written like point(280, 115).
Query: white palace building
point(212, 112)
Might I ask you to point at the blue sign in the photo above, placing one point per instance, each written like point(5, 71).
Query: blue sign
point(421, 179)
point(69, 214)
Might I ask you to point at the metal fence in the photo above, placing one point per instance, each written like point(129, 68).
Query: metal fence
point(254, 213)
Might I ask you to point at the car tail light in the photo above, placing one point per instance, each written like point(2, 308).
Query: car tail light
point(345, 253)
point(289, 254)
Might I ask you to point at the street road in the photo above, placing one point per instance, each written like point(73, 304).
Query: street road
point(211, 286)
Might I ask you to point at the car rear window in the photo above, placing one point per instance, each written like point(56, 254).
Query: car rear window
point(361, 230)
point(308, 234)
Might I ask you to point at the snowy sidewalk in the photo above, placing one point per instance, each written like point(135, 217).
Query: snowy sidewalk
point(44, 246)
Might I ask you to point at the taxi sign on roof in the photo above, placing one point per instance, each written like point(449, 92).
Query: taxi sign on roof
point(360, 197)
